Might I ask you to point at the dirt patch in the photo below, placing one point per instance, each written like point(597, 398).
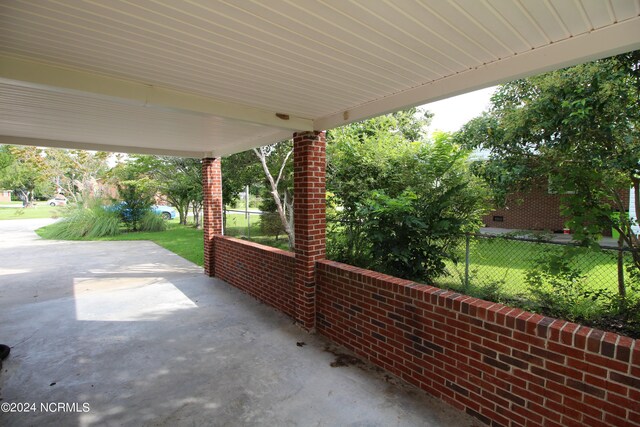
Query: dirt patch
point(345, 360)
point(342, 359)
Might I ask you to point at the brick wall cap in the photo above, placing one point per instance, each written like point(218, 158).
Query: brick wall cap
point(256, 245)
point(584, 330)
point(535, 318)
point(610, 337)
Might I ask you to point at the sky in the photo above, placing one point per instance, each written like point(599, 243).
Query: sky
point(451, 113)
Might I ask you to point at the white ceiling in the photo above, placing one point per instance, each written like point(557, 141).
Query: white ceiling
point(201, 78)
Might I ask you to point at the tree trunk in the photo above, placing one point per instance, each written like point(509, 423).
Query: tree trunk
point(24, 199)
point(196, 208)
point(224, 220)
point(286, 224)
point(288, 204)
point(186, 213)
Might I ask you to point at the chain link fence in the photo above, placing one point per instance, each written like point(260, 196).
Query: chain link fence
point(519, 269)
point(256, 226)
point(242, 223)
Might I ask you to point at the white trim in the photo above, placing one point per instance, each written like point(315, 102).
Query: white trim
point(36, 74)
point(612, 40)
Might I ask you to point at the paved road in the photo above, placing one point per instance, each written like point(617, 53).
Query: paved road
point(142, 337)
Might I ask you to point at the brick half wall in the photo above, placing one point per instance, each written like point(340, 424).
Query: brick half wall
point(261, 271)
point(502, 365)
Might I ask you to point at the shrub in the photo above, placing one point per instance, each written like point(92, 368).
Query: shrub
point(399, 206)
point(93, 221)
point(411, 236)
point(151, 221)
point(104, 223)
point(558, 287)
point(271, 225)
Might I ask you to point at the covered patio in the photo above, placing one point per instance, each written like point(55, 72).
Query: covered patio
point(144, 338)
point(206, 79)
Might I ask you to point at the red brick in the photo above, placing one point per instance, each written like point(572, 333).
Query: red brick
point(605, 405)
point(632, 405)
point(580, 337)
point(618, 422)
point(606, 362)
point(636, 354)
point(308, 190)
point(212, 210)
point(544, 411)
point(592, 422)
point(568, 413)
point(532, 209)
point(587, 367)
point(608, 345)
point(594, 339)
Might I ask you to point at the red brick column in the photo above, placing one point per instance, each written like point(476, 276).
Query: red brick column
point(212, 212)
point(309, 219)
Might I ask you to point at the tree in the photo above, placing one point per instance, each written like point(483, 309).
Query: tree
point(179, 179)
point(24, 171)
point(397, 202)
point(239, 171)
point(580, 127)
point(136, 188)
point(361, 158)
point(76, 173)
point(277, 157)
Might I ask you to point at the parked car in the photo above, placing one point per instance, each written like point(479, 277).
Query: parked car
point(58, 200)
point(166, 212)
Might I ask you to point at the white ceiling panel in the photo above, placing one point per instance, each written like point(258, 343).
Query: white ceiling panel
point(625, 9)
point(204, 77)
point(600, 12)
point(47, 115)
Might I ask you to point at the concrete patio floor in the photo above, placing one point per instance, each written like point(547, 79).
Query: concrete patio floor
point(144, 338)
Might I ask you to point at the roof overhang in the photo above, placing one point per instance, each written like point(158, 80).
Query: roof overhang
point(213, 78)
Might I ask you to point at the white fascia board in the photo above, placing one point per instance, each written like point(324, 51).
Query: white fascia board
point(52, 77)
point(72, 145)
point(612, 40)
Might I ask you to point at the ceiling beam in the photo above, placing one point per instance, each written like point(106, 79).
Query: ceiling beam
point(37, 74)
point(612, 40)
point(72, 145)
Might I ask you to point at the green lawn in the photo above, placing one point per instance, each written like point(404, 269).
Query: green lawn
point(236, 226)
point(505, 263)
point(41, 210)
point(186, 241)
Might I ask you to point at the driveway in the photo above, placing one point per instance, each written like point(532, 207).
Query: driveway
point(128, 333)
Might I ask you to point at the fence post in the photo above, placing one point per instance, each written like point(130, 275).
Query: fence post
point(466, 262)
point(248, 224)
point(246, 202)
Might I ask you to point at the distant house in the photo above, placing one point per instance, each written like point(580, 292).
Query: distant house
point(5, 196)
point(536, 209)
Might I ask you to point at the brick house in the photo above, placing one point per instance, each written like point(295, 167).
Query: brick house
point(5, 195)
point(536, 209)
